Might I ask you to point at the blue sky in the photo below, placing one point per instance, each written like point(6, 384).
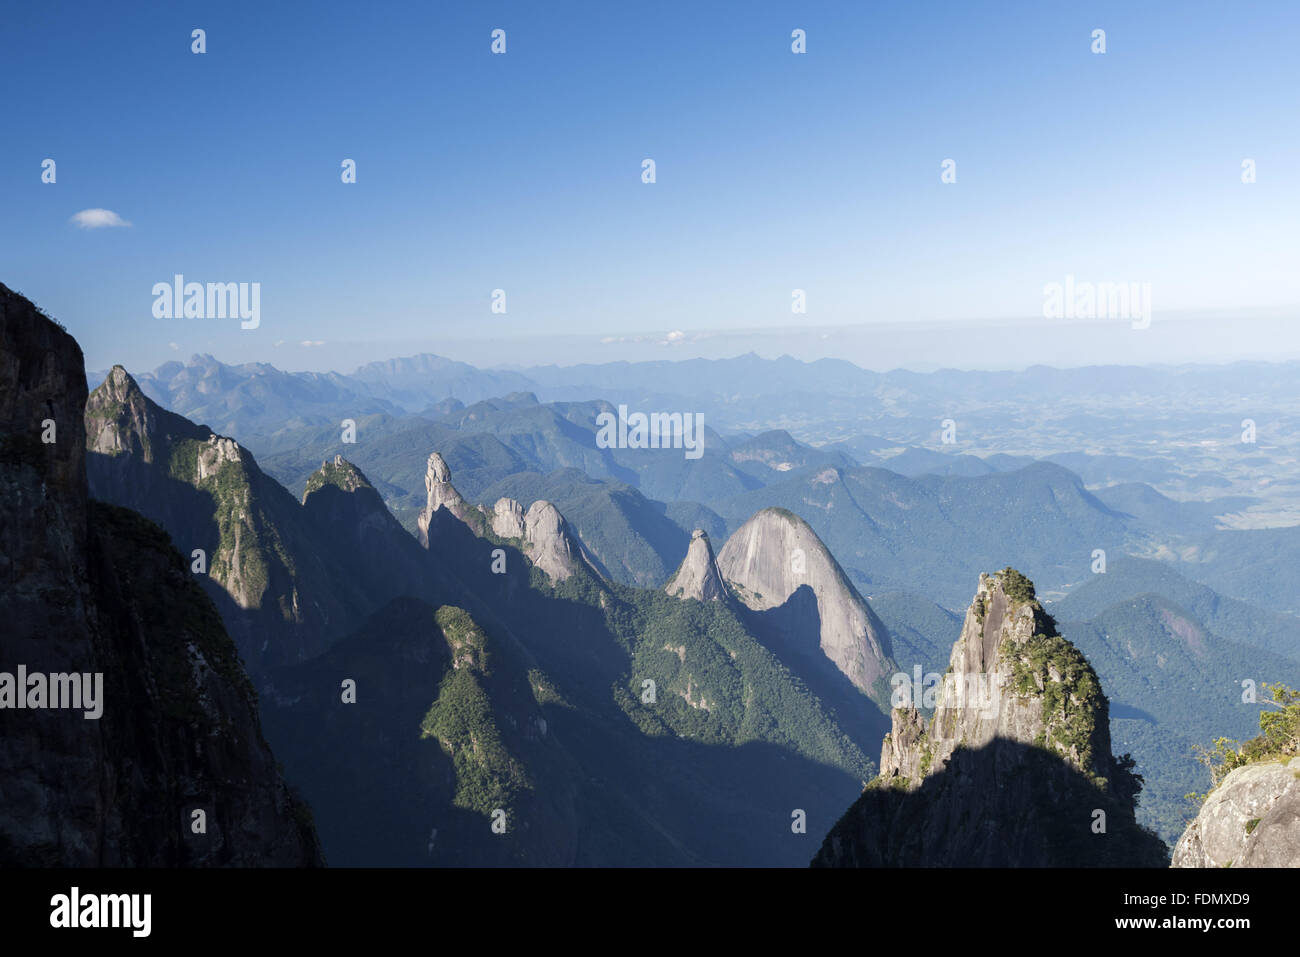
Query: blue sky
point(775, 171)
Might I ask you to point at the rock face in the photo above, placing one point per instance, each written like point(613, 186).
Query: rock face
point(1015, 767)
point(92, 589)
point(508, 519)
point(1252, 819)
point(775, 554)
point(542, 533)
point(698, 577)
point(549, 543)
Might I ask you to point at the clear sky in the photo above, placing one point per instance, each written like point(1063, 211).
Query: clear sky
point(775, 171)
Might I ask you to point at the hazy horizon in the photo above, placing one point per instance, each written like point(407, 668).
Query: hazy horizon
point(971, 345)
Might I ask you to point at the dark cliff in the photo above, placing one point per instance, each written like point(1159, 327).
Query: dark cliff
point(91, 589)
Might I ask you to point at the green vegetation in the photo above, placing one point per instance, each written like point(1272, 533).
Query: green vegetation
point(1279, 738)
point(183, 464)
point(488, 776)
point(1072, 698)
point(1017, 587)
point(717, 684)
point(346, 477)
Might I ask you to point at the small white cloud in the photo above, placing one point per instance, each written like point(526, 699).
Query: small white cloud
point(308, 343)
point(98, 219)
point(173, 346)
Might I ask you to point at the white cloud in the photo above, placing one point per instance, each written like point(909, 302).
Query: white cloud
point(308, 343)
point(674, 338)
point(174, 346)
point(98, 219)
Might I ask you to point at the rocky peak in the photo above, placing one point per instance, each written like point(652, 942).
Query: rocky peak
point(775, 554)
point(339, 473)
point(442, 494)
point(1011, 676)
point(545, 536)
point(437, 471)
point(118, 418)
point(698, 577)
point(1013, 768)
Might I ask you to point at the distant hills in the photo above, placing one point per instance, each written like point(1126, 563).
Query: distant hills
point(309, 497)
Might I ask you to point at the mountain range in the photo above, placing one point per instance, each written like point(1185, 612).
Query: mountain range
point(470, 633)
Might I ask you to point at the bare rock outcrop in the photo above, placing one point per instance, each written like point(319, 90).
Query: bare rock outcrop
point(776, 553)
point(698, 576)
point(508, 518)
point(548, 542)
point(542, 532)
point(1015, 767)
point(1252, 819)
point(442, 494)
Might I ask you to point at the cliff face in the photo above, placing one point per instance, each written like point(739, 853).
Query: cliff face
point(1015, 767)
point(699, 576)
point(774, 555)
point(89, 589)
point(1252, 819)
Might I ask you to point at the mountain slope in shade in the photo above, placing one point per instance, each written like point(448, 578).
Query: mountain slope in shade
point(284, 591)
point(92, 589)
point(1014, 769)
point(445, 729)
point(776, 554)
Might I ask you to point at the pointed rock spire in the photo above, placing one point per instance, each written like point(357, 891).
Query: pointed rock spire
point(339, 473)
point(698, 576)
point(1014, 766)
point(441, 494)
